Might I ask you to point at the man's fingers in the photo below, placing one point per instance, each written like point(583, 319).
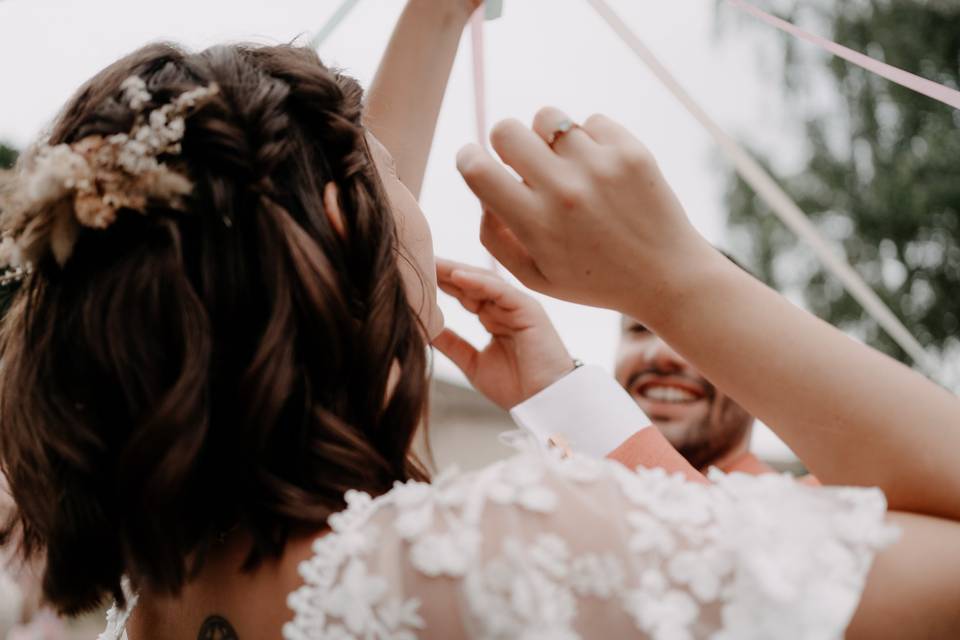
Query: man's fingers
point(503, 245)
point(478, 283)
point(461, 353)
point(445, 267)
point(450, 289)
point(470, 304)
point(493, 184)
point(487, 287)
point(572, 142)
point(495, 317)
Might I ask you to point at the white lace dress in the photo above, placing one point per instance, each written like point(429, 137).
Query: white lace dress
point(542, 548)
point(538, 548)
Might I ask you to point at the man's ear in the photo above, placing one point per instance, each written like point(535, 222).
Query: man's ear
point(331, 205)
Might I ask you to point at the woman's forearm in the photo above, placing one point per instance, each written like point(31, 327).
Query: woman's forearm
point(853, 415)
point(404, 101)
point(594, 221)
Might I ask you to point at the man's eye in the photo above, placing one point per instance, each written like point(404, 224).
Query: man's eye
point(638, 328)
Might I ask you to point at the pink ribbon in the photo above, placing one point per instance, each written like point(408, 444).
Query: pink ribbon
point(479, 77)
point(774, 196)
point(903, 78)
point(480, 92)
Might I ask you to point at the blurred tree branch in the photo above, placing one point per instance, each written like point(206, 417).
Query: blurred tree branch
point(8, 155)
point(880, 172)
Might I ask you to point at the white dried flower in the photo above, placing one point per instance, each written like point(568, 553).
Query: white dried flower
point(10, 253)
point(146, 136)
point(175, 130)
point(135, 93)
point(158, 119)
point(136, 158)
point(56, 171)
point(190, 99)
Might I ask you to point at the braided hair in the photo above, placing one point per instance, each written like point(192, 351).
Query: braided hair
point(188, 372)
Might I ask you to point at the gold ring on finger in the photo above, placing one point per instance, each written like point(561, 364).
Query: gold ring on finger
point(565, 126)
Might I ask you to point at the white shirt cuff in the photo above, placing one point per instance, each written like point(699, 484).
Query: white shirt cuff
point(587, 408)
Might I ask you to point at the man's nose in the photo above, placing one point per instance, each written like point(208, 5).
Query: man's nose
point(661, 357)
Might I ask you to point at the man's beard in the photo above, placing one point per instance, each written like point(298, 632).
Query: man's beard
point(719, 433)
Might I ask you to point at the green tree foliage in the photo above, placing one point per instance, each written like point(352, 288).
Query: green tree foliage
point(8, 156)
point(881, 175)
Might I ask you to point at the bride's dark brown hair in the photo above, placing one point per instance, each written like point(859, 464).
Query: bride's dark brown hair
point(188, 373)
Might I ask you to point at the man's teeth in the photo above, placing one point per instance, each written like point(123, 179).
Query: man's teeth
point(668, 394)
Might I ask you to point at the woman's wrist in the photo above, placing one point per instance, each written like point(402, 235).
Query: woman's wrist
point(452, 13)
point(693, 271)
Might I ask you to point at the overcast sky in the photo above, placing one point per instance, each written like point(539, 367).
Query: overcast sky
point(540, 52)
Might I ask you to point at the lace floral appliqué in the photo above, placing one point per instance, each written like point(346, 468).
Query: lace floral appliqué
point(538, 548)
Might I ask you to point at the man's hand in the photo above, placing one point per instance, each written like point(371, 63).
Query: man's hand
point(524, 356)
point(591, 218)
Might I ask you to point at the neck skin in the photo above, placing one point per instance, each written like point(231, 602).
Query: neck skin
point(739, 450)
point(222, 587)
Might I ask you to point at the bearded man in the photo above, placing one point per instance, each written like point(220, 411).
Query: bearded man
point(706, 426)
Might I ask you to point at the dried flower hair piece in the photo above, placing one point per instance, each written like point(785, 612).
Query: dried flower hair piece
point(63, 187)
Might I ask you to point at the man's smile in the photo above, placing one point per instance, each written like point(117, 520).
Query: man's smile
point(668, 390)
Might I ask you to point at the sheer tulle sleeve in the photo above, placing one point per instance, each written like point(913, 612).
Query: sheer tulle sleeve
point(538, 548)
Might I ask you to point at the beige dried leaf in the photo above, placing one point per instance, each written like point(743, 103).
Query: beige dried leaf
point(63, 235)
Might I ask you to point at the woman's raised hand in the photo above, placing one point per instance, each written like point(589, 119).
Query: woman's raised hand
point(524, 356)
point(464, 8)
point(591, 220)
point(472, 5)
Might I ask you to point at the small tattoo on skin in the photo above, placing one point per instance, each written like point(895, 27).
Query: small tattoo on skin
point(216, 628)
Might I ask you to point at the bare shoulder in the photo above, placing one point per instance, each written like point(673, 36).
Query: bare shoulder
point(912, 589)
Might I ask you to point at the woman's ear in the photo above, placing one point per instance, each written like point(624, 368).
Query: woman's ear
point(331, 205)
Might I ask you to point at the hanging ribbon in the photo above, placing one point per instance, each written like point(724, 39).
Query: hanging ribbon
point(480, 90)
point(903, 78)
point(493, 9)
point(479, 77)
point(775, 197)
point(335, 20)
